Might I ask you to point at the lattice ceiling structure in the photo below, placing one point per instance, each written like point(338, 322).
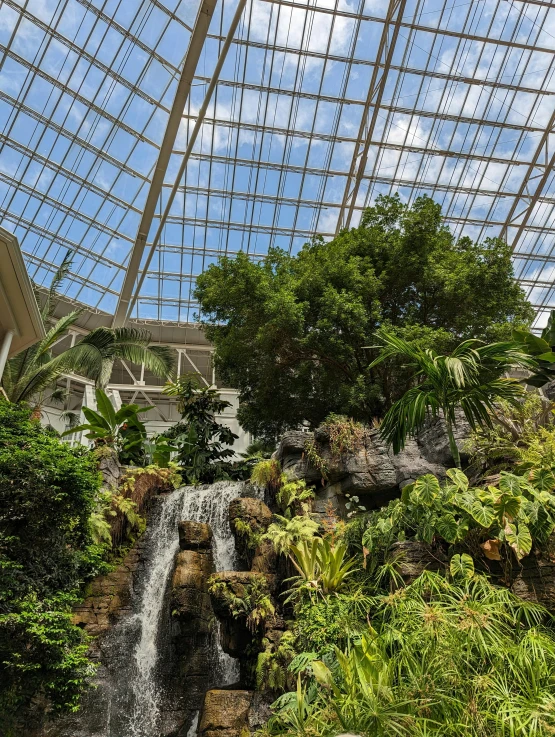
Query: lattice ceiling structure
point(110, 146)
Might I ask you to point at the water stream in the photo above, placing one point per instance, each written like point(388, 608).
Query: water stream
point(207, 504)
point(135, 677)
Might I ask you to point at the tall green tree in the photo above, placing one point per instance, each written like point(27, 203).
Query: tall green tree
point(28, 374)
point(291, 332)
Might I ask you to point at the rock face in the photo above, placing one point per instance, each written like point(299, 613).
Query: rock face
point(225, 714)
point(108, 597)
point(536, 581)
point(249, 518)
point(190, 601)
point(194, 535)
point(414, 557)
point(372, 469)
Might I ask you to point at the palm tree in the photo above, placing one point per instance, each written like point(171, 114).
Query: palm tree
point(470, 378)
point(30, 372)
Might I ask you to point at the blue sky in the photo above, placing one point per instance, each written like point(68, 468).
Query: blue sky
point(85, 96)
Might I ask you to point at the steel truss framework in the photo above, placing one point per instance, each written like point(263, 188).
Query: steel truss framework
point(113, 145)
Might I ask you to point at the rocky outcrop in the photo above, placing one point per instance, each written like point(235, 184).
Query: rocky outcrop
point(190, 601)
point(371, 469)
point(535, 581)
point(194, 535)
point(108, 598)
point(249, 518)
point(413, 557)
point(225, 714)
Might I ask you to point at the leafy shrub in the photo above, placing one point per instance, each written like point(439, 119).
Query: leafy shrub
point(510, 516)
point(284, 532)
point(440, 659)
point(199, 438)
point(253, 603)
point(47, 494)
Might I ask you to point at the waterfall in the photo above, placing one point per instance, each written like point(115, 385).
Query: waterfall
point(200, 504)
point(135, 685)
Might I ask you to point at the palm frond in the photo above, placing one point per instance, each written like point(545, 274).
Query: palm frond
point(59, 275)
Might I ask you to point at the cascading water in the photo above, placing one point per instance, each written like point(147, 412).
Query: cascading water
point(208, 504)
point(130, 699)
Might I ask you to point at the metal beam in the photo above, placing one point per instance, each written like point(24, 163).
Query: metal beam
point(123, 316)
point(539, 169)
point(371, 110)
point(192, 57)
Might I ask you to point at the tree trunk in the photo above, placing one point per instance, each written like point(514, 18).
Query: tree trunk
point(452, 444)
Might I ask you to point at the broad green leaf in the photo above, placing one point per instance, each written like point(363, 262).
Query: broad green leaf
point(462, 566)
point(426, 489)
point(406, 492)
point(482, 514)
point(322, 673)
point(519, 538)
point(548, 357)
point(510, 484)
point(543, 479)
point(458, 478)
point(106, 408)
point(447, 527)
point(507, 507)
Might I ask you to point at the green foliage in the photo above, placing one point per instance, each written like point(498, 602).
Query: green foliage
point(322, 566)
point(345, 434)
point(469, 378)
point(47, 494)
point(159, 451)
point(515, 427)
point(461, 659)
point(30, 372)
point(542, 349)
point(199, 438)
point(249, 538)
point(273, 663)
point(294, 495)
point(42, 652)
point(312, 453)
point(291, 332)
point(252, 603)
point(267, 473)
point(490, 520)
point(323, 622)
point(283, 533)
point(122, 430)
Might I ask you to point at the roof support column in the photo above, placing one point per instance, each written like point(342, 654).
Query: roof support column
point(371, 110)
point(196, 44)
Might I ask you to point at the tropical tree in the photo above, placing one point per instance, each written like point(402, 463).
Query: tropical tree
point(470, 378)
point(28, 374)
point(121, 430)
point(291, 331)
point(200, 439)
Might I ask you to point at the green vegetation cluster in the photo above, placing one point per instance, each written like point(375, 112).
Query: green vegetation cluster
point(296, 334)
point(48, 492)
point(450, 652)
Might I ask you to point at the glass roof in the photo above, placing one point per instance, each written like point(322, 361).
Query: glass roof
point(320, 106)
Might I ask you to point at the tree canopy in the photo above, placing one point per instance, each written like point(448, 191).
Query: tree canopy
point(294, 334)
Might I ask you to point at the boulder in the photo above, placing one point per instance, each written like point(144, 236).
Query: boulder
point(190, 601)
point(535, 581)
point(225, 714)
point(414, 557)
point(292, 457)
point(194, 535)
point(251, 511)
point(265, 558)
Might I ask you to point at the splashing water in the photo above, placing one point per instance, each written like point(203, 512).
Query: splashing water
point(205, 504)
